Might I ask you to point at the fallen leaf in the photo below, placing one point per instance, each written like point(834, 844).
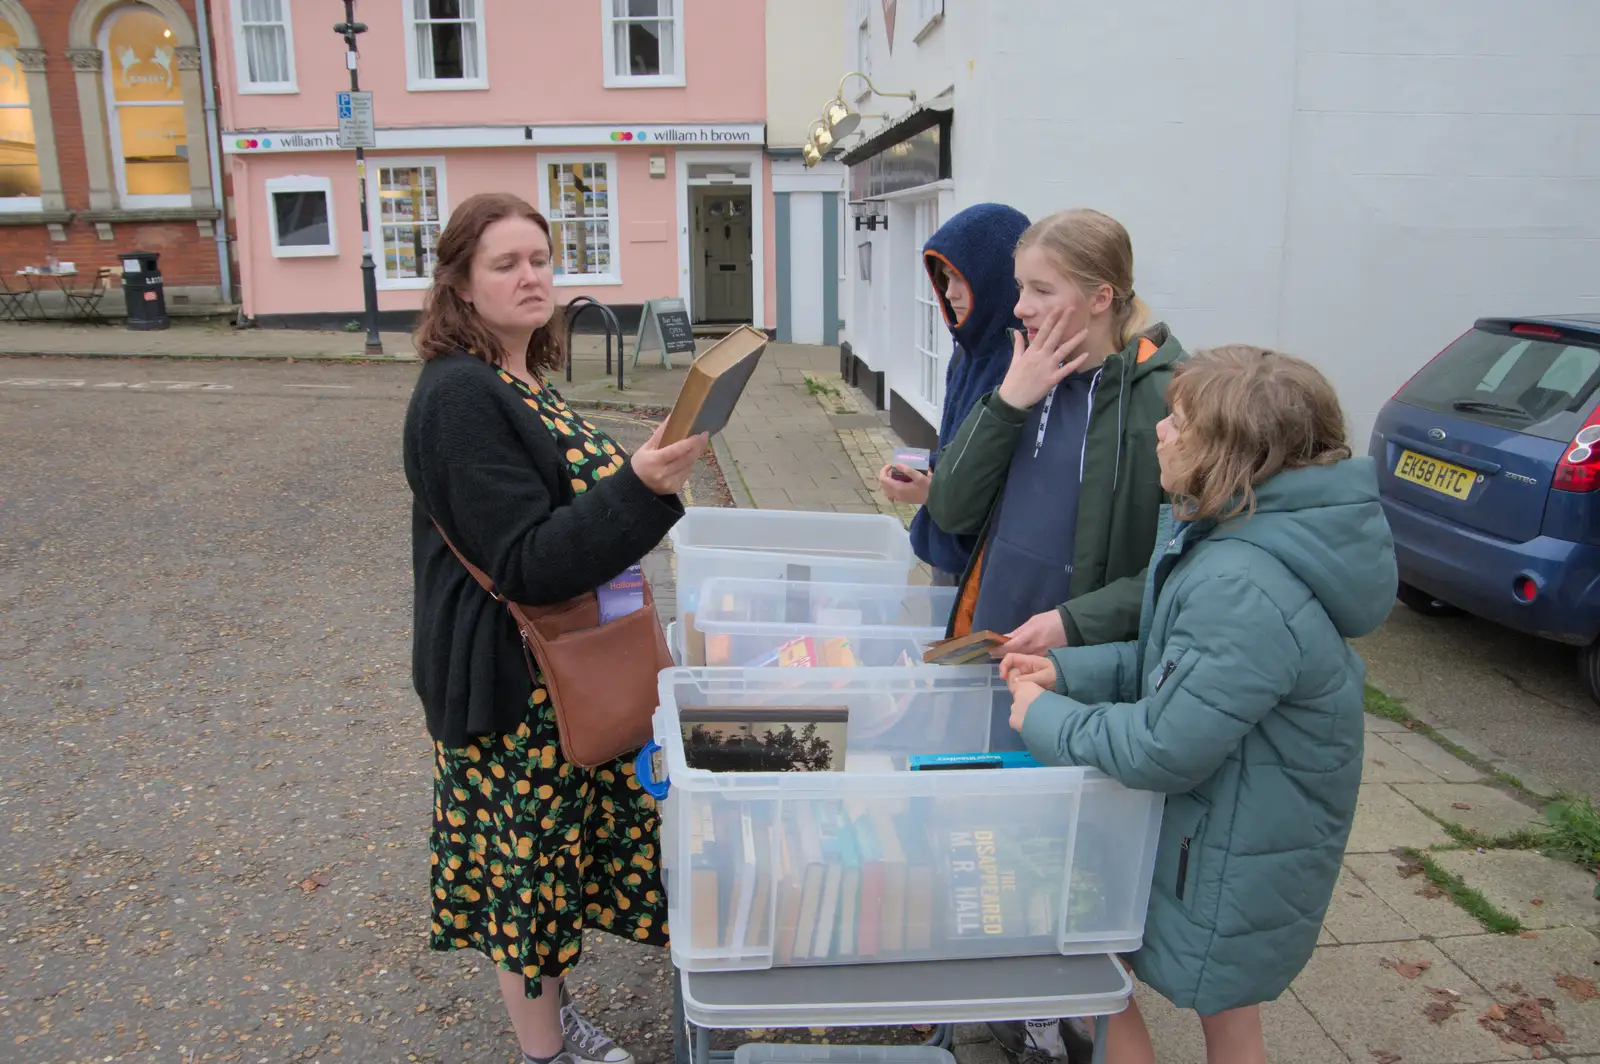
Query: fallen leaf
point(1536, 901)
point(1408, 866)
point(1459, 805)
point(1430, 890)
point(1522, 1023)
point(1440, 1011)
point(1407, 969)
point(1383, 1056)
point(1580, 989)
point(1530, 934)
point(311, 883)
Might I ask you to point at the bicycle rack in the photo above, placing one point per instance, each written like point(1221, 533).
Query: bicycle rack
point(574, 310)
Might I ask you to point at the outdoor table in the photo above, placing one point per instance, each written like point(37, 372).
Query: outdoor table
point(941, 993)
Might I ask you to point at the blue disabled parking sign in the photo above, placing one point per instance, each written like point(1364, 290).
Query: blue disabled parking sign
point(356, 127)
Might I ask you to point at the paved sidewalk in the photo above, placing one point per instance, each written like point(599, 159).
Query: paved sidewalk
point(1403, 973)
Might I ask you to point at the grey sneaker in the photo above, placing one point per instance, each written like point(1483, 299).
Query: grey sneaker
point(562, 1057)
point(1013, 1038)
point(585, 1042)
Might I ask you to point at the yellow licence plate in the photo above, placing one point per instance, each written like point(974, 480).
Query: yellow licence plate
point(1439, 476)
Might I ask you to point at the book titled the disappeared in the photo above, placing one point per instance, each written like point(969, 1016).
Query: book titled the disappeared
point(715, 382)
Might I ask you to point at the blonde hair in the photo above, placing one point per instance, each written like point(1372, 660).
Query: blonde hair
point(1094, 249)
point(1247, 414)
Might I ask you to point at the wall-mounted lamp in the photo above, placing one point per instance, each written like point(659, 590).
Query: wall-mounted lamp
point(839, 120)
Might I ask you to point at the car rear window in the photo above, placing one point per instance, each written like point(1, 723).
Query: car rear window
point(1510, 381)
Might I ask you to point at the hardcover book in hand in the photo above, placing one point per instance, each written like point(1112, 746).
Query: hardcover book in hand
point(716, 380)
point(975, 649)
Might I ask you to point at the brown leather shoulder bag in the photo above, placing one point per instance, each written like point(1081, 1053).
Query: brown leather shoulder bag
point(601, 678)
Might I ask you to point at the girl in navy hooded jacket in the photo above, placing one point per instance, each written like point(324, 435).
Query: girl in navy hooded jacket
point(969, 261)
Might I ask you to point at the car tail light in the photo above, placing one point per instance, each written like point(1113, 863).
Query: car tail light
point(1579, 468)
point(1545, 332)
point(1525, 588)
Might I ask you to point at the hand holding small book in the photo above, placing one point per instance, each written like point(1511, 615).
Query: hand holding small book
point(665, 470)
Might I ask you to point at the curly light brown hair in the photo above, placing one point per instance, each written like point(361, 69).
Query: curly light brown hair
point(449, 323)
point(1246, 414)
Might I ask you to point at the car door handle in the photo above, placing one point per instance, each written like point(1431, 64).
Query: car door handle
point(1477, 465)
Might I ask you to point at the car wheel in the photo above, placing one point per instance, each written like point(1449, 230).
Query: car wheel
point(1424, 603)
point(1589, 669)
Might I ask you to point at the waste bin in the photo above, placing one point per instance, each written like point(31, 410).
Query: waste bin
point(142, 290)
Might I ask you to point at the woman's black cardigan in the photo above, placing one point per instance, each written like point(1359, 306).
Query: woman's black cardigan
point(482, 463)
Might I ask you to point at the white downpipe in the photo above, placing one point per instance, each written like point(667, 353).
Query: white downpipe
point(214, 149)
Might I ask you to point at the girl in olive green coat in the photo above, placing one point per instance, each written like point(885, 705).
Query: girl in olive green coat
point(1241, 699)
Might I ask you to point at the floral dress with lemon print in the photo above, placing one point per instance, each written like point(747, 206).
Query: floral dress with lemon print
point(529, 849)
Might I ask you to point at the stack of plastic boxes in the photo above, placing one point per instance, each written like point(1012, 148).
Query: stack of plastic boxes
point(869, 861)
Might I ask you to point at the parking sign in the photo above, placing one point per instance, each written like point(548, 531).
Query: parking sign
point(356, 127)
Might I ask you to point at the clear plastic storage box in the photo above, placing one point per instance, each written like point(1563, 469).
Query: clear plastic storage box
point(875, 862)
point(786, 545)
point(754, 623)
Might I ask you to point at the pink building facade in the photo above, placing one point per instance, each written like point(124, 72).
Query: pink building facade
point(636, 126)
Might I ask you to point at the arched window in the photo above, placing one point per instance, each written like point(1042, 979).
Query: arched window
point(19, 150)
point(144, 109)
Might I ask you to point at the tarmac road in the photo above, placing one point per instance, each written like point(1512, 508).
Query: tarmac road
point(216, 777)
point(1497, 692)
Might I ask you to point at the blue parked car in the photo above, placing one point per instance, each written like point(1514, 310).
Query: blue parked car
point(1489, 466)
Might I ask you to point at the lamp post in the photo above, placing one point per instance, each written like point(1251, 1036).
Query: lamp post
point(349, 29)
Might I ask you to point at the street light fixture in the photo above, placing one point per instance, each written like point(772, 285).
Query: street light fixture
point(349, 29)
point(839, 120)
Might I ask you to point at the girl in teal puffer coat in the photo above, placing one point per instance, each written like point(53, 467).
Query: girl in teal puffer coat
point(1241, 699)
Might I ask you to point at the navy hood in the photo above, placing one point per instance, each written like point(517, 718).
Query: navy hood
point(978, 243)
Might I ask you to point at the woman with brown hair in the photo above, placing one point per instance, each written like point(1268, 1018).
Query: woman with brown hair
point(528, 848)
point(1241, 700)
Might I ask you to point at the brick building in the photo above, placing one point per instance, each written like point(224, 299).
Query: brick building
point(106, 143)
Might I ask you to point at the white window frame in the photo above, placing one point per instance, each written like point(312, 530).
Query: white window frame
point(375, 168)
point(119, 166)
point(613, 216)
point(930, 336)
point(21, 204)
point(241, 55)
point(416, 83)
point(930, 13)
point(625, 80)
point(301, 183)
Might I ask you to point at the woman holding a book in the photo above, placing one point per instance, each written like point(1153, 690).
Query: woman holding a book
point(969, 264)
point(1241, 699)
point(529, 848)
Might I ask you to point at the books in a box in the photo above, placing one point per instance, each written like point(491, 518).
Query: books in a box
point(996, 759)
point(885, 879)
point(715, 382)
point(809, 652)
point(764, 738)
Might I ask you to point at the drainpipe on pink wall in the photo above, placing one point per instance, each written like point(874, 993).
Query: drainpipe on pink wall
point(214, 149)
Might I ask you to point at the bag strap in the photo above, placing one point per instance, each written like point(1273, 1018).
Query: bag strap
point(513, 608)
point(477, 574)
